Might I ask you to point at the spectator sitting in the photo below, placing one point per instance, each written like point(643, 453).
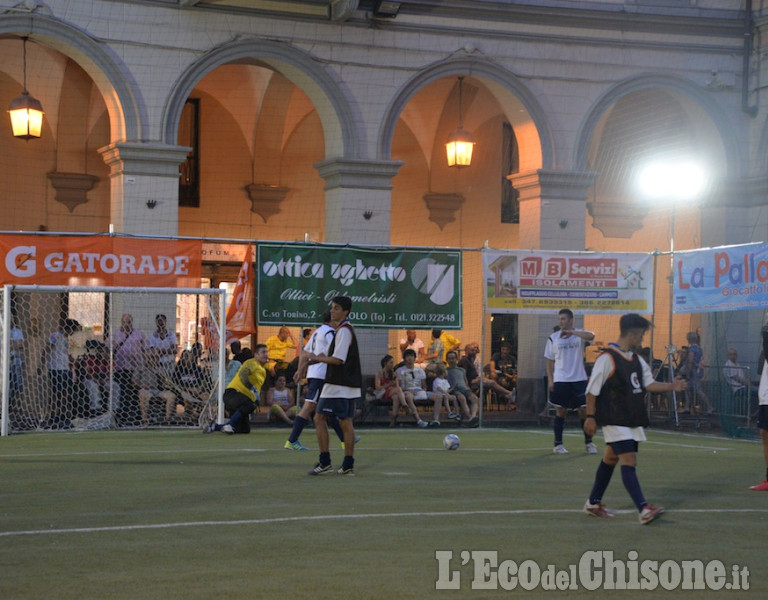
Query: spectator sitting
point(93, 373)
point(412, 380)
point(469, 362)
point(282, 405)
point(735, 374)
point(442, 387)
point(191, 385)
point(387, 388)
point(457, 377)
point(277, 349)
point(152, 383)
point(411, 342)
point(504, 367)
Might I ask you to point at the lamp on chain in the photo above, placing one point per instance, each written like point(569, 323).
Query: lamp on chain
point(460, 143)
point(25, 110)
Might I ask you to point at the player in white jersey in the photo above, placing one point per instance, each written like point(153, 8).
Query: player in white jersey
point(566, 376)
point(318, 343)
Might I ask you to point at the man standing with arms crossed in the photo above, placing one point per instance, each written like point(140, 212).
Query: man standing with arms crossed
point(566, 376)
point(343, 384)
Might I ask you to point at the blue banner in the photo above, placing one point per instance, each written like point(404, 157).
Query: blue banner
point(719, 279)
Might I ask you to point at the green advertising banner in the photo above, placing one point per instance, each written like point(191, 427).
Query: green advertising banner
point(403, 289)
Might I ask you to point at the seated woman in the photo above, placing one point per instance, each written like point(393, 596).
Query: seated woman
point(387, 389)
point(281, 403)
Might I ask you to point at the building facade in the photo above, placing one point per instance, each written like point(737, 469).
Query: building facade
point(326, 120)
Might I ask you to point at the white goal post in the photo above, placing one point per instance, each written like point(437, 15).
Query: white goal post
point(89, 357)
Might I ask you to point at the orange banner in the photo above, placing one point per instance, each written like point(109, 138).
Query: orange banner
point(240, 313)
point(99, 261)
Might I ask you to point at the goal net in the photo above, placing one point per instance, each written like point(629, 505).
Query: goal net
point(87, 358)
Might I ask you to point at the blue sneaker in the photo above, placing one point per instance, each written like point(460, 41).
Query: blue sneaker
point(357, 439)
point(293, 445)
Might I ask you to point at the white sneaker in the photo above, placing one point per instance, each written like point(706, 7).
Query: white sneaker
point(590, 448)
point(227, 428)
point(421, 423)
point(559, 449)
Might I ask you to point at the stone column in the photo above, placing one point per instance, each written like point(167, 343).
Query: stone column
point(357, 211)
point(144, 180)
point(552, 217)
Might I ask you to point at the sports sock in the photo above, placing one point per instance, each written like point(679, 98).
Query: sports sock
point(602, 479)
point(236, 416)
point(587, 438)
point(349, 463)
point(559, 426)
point(325, 458)
point(629, 477)
point(299, 423)
point(334, 422)
point(766, 474)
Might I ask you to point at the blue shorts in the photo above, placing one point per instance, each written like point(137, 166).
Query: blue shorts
point(762, 417)
point(341, 408)
point(569, 394)
point(624, 447)
point(314, 386)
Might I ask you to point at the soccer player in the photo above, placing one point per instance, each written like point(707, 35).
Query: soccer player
point(762, 415)
point(343, 384)
point(616, 401)
point(318, 343)
point(566, 375)
point(243, 393)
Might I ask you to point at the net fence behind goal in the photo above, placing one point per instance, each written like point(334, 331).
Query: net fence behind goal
point(89, 358)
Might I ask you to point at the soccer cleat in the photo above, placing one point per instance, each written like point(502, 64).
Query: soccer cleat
point(293, 445)
point(321, 470)
point(210, 428)
point(228, 429)
point(590, 448)
point(649, 513)
point(344, 471)
point(760, 487)
point(559, 449)
point(597, 510)
point(421, 424)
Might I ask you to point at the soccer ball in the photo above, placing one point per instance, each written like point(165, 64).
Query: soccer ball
point(451, 441)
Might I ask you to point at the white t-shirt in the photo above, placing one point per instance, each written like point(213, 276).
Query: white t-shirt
point(733, 373)
point(318, 343)
point(411, 381)
point(762, 391)
point(441, 385)
point(164, 344)
point(416, 345)
point(600, 373)
point(568, 354)
point(340, 350)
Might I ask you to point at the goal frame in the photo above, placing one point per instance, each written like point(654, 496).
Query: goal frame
point(9, 289)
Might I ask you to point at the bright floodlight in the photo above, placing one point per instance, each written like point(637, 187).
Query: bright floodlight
point(672, 181)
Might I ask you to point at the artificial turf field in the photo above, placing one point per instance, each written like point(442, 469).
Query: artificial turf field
point(176, 514)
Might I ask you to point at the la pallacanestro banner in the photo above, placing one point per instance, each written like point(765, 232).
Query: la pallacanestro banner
point(99, 260)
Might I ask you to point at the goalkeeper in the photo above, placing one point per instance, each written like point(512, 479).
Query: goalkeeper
point(242, 394)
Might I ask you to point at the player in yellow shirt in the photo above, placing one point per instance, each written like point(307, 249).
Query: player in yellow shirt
point(243, 393)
